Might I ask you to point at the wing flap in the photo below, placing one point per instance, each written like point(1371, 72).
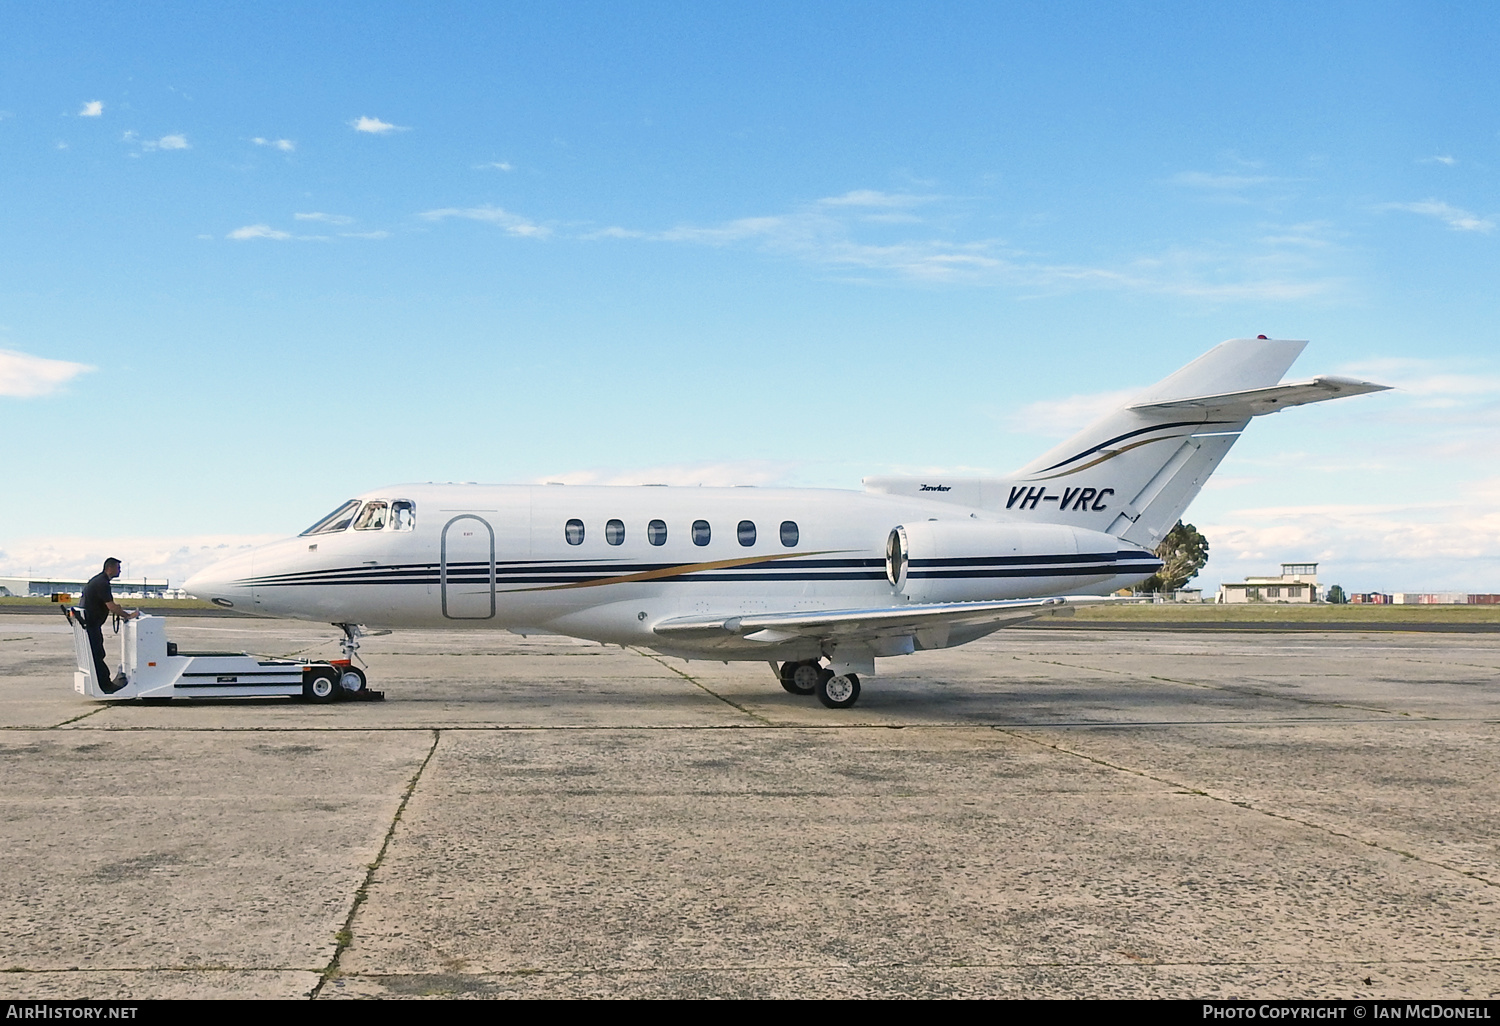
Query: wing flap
point(869, 624)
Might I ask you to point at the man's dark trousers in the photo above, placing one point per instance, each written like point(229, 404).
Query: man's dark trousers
point(96, 645)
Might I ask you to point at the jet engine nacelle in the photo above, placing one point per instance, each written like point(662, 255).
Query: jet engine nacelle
point(971, 560)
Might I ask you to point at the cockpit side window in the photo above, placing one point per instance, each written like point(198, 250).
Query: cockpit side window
point(372, 517)
point(403, 515)
point(338, 520)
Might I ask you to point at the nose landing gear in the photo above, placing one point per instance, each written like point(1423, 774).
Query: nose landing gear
point(348, 680)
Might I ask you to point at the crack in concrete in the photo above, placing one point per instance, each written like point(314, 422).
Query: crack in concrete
point(346, 935)
point(1321, 703)
point(876, 966)
point(705, 688)
point(1251, 807)
point(975, 724)
point(75, 719)
point(852, 967)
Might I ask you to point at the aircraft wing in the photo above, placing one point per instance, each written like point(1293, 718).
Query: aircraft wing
point(928, 623)
point(1268, 400)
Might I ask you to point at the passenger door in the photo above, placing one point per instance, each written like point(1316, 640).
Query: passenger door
point(466, 569)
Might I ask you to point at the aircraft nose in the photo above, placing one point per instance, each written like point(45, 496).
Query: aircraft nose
point(224, 584)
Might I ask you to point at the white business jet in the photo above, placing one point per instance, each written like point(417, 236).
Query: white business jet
point(797, 577)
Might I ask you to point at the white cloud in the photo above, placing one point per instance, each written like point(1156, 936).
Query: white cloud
point(92, 109)
point(166, 142)
point(1454, 217)
point(875, 198)
point(325, 218)
point(258, 231)
point(724, 474)
point(24, 376)
point(1421, 546)
point(1427, 379)
point(498, 165)
point(365, 235)
point(1445, 160)
point(1061, 417)
point(841, 234)
point(513, 224)
point(616, 232)
point(284, 145)
point(176, 559)
point(1226, 183)
point(374, 126)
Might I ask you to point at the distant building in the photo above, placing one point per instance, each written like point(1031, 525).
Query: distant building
point(135, 587)
point(1298, 582)
point(1369, 598)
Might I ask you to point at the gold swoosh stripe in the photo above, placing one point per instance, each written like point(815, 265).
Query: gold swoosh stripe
point(1108, 456)
point(676, 571)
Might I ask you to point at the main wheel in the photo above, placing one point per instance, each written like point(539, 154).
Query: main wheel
point(352, 679)
point(321, 685)
point(838, 691)
point(799, 678)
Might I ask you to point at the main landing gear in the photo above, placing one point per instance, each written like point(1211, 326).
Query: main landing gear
point(836, 691)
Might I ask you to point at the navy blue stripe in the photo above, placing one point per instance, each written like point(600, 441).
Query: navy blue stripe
point(538, 567)
point(1082, 557)
point(1070, 571)
point(1132, 434)
point(1060, 565)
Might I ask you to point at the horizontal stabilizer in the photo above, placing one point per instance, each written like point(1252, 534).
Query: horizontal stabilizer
point(1257, 401)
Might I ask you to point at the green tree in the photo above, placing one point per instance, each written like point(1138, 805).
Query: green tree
point(1182, 552)
point(1336, 595)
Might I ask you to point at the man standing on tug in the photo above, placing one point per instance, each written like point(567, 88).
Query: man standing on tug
point(98, 603)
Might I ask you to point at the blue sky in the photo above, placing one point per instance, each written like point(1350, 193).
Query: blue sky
point(255, 260)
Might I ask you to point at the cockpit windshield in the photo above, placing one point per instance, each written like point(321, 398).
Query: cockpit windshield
point(373, 518)
point(338, 520)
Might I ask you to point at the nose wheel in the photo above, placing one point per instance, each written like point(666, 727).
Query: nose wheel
point(350, 681)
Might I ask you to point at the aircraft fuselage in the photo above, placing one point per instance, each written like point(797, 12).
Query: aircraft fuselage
point(611, 563)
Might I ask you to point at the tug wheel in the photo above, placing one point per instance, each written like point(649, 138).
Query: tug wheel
point(352, 680)
point(321, 685)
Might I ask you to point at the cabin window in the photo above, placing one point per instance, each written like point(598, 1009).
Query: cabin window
point(746, 533)
point(614, 532)
point(574, 532)
point(337, 520)
point(372, 517)
point(789, 533)
point(403, 515)
point(656, 532)
point(701, 532)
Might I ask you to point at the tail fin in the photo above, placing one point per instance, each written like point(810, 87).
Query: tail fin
point(1152, 455)
point(1133, 472)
